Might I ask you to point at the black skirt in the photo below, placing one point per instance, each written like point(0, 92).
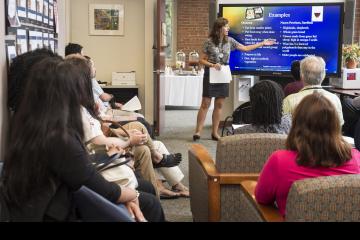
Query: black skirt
point(214, 89)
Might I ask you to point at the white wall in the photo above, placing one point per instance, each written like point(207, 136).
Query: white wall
point(3, 82)
point(113, 53)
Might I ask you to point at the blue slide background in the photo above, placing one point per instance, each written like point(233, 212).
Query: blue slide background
point(328, 33)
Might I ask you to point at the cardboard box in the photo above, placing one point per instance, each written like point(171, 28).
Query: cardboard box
point(123, 78)
point(350, 79)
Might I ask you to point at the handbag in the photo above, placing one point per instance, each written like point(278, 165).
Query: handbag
point(123, 175)
point(116, 167)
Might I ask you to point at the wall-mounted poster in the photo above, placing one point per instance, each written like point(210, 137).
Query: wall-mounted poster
point(22, 8)
point(12, 13)
point(52, 42)
point(51, 12)
point(32, 40)
point(39, 40)
point(39, 10)
point(106, 19)
point(46, 40)
point(32, 10)
point(56, 17)
point(11, 53)
point(21, 41)
point(46, 12)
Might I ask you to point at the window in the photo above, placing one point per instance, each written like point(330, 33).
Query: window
point(170, 11)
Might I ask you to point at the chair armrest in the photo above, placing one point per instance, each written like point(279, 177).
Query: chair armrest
point(269, 213)
point(237, 178)
point(208, 165)
point(214, 180)
point(204, 159)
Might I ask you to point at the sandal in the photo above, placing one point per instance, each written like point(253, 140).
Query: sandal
point(183, 193)
point(170, 160)
point(168, 194)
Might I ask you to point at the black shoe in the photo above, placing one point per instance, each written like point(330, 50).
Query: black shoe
point(196, 137)
point(170, 160)
point(214, 138)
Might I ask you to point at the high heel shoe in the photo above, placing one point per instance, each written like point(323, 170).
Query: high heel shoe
point(214, 138)
point(196, 137)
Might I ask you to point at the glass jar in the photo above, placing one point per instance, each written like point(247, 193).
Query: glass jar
point(194, 59)
point(180, 60)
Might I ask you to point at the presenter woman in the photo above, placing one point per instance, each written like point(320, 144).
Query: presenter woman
point(216, 53)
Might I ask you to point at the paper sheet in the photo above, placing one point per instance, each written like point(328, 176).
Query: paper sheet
point(39, 10)
point(33, 42)
point(222, 76)
point(21, 41)
point(235, 126)
point(32, 9)
point(132, 105)
point(124, 118)
point(349, 140)
point(22, 8)
point(46, 12)
point(121, 113)
point(11, 51)
point(12, 14)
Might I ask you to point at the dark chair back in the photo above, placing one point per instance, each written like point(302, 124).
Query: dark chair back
point(92, 207)
point(241, 115)
point(4, 214)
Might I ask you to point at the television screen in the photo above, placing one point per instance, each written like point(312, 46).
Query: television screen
point(298, 29)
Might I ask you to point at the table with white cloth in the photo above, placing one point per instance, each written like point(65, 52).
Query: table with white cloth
point(183, 90)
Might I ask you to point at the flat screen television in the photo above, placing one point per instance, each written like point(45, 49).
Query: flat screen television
point(299, 29)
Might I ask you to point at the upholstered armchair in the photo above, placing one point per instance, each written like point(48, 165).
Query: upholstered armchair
point(215, 192)
point(322, 199)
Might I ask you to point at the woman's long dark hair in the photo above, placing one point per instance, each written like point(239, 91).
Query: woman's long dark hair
point(266, 98)
point(50, 111)
point(216, 30)
point(315, 134)
point(18, 73)
point(84, 84)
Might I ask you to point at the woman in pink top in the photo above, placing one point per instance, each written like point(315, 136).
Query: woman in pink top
point(315, 148)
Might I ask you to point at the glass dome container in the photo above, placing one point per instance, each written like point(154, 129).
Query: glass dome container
point(194, 59)
point(180, 60)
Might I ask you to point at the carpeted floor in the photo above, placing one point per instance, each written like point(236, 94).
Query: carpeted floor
point(179, 128)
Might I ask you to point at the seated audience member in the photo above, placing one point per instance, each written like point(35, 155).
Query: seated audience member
point(46, 160)
point(351, 112)
point(18, 74)
point(315, 147)
point(143, 155)
point(297, 85)
point(102, 98)
point(73, 48)
point(266, 98)
point(312, 73)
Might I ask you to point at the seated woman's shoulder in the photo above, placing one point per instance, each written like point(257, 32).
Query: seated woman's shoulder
point(283, 154)
point(355, 153)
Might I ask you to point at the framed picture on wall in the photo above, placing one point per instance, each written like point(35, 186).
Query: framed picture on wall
point(106, 19)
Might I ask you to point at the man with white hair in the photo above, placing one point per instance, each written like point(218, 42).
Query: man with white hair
point(312, 73)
